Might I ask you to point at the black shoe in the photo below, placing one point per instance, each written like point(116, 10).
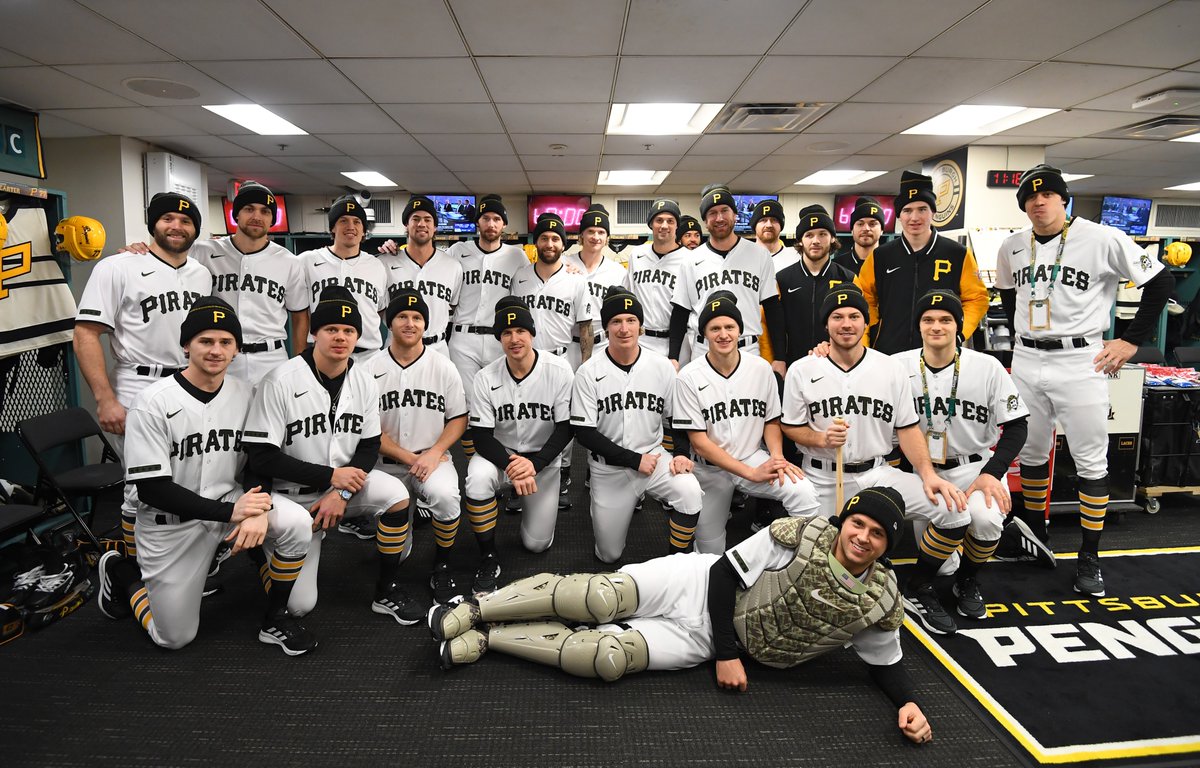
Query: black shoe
point(738, 501)
point(464, 649)
point(421, 513)
point(211, 587)
point(1019, 544)
point(445, 587)
point(223, 553)
point(25, 583)
point(358, 527)
point(398, 604)
point(1088, 578)
point(512, 505)
point(925, 606)
point(52, 586)
point(564, 481)
point(970, 599)
point(449, 621)
point(487, 576)
point(288, 634)
point(111, 602)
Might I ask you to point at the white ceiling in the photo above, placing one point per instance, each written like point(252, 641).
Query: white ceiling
point(454, 96)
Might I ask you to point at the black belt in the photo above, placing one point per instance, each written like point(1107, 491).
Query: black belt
point(658, 334)
point(482, 330)
point(1078, 342)
point(263, 346)
point(958, 462)
point(162, 372)
point(299, 491)
point(435, 339)
point(595, 339)
point(742, 342)
point(860, 466)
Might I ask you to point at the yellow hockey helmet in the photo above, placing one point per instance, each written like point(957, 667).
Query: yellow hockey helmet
point(80, 236)
point(1178, 254)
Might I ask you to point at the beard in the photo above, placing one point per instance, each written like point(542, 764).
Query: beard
point(162, 241)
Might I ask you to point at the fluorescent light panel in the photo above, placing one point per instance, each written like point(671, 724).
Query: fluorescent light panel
point(661, 119)
point(631, 178)
point(262, 121)
point(836, 178)
point(1069, 177)
point(977, 120)
point(1193, 138)
point(1193, 187)
point(369, 178)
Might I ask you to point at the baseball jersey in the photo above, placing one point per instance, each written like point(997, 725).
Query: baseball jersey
point(557, 304)
point(487, 278)
point(627, 407)
point(522, 413)
point(606, 275)
point(1095, 259)
point(144, 300)
point(872, 397)
point(37, 308)
point(363, 275)
point(292, 410)
point(733, 410)
point(652, 278)
point(746, 271)
point(262, 287)
point(785, 258)
point(169, 433)
point(439, 282)
point(416, 401)
point(986, 398)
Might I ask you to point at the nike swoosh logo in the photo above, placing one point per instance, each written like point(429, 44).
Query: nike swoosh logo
point(890, 271)
point(605, 376)
point(698, 263)
point(147, 274)
point(394, 267)
point(793, 290)
point(701, 389)
point(1019, 250)
point(173, 415)
point(300, 394)
point(816, 595)
point(814, 381)
point(318, 263)
point(380, 375)
point(497, 387)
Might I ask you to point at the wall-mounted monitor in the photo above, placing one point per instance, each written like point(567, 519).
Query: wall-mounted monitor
point(281, 216)
point(456, 214)
point(1131, 215)
point(744, 205)
point(570, 208)
point(843, 207)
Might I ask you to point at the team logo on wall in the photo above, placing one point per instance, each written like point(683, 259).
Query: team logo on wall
point(948, 185)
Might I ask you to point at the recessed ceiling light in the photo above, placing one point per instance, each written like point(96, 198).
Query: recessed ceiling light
point(835, 178)
point(1194, 138)
point(827, 146)
point(161, 88)
point(977, 120)
point(661, 119)
point(1193, 187)
point(1077, 176)
point(369, 178)
point(631, 178)
point(262, 121)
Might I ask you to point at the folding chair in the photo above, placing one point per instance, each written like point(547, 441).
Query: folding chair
point(42, 434)
point(1188, 357)
point(1149, 354)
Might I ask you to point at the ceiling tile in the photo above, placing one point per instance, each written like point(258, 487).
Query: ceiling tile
point(575, 143)
point(699, 179)
point(761, 143)
point(732, 27)
point(485, 182)
point(1055, 84)
point(830, 27)
point(473, 163)
point(203, 121)
point(1075, 122)
point(329, 164)
point(1123, 99)
point(916, 145)
point(398, 81)
point(812, 78)
point(515, 80)
point(1004, 139)
point(335, 118)
point(1172, 28)
point(363, 28)
point(246, 166)
point(128, 121)
point(930, 81)
point(445, 118)
point(564, 28)
point(430, 182)
point(826, 143)
point(564, 181)
point(62, 32)
point(465, 143)
point(284, 82)
point(112, 77)
point(610, 162)
point(373, 143)
point(202, 146)
point(800, 165)
point(10, 59)
point(398, 164)
point(718, 163)
point(294, 145)
point(703, 79)
point(659, 145)
point(876, 118)
point(39, 88)
point(1088, 148)
point(55, 127)
point(763, 181)
point(554, 118)
point(560, 162)
point(1161, 151)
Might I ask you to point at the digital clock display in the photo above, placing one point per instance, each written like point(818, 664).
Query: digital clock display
point(1004, 179)
point(843, 208)
point(570, 208)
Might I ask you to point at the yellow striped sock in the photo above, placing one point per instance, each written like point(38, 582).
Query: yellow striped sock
point(1034, 491)
point(1092, 511)
point(978, 551)
point(127, 526)
point(936, 545)
point(389, 540)
point(139, 601)
point(482, 516)
point(681, 536)
point(445, 531)
point(468, 447)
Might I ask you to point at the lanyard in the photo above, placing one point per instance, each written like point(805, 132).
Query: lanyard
point(952, 405)
point(1062, 243)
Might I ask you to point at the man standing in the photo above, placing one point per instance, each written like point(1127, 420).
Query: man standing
point(520, 422)
point(314, 427)
point(967, 403)
point(184, 455)
point(728, 402)
point(866, 227)
point(422, 412)
point(345, 264)
point(618, 403)
point(680, 611)
point(853, 403)
point(654, 271)
point(919, 261)
point(435, 274)
point(767, 222)
point(688, 233)
point(140, 299)
point(1059, 291)
point(601, 273)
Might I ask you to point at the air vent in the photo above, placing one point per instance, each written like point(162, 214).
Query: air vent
point(767, 118)
point(1177, 216)
point(1160, 128)
point(383, 209)
point(633, 211)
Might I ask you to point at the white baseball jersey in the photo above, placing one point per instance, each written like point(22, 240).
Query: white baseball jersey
point(1096, 258)
point(169, 433)
point(872, 397)
point(627, 407)
point(143, 300)
point(606, 275)
point(557, 304)
point(292, 410)
point(487, 278)
point(416, 402)
point(746, 271)
point(522, 413)
point(262, 287)
point(986, 397)
point(36, 306)
point(785, 258)
point(439, 282)
point(652, 278)
point(733, 410)
point(363, 275)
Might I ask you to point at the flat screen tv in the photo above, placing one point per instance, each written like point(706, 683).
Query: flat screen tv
point(456, 214)
point(843, 207)
point(1131, 215)
point(570, 208)
point(281, 216)
point(744, 205)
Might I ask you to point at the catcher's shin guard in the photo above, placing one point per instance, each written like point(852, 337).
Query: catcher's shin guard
point(587, 597)
point(583, 653)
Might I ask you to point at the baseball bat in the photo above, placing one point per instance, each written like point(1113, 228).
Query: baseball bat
point(841, 493)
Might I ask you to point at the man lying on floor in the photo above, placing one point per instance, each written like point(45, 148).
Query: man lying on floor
point(789, 593)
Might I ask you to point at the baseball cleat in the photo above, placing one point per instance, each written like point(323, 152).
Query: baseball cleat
point(487, 577)
point(447, 622)
point(398, 604)
point(358, 527)
point(284, 631)
point(926, 608)
point(970, 599)
point(445, 587)
point(1088, 578)
point(464, 649)
point(1019, 544)
point(111, 604)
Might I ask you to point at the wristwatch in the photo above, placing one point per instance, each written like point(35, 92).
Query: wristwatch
point(346, 495)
